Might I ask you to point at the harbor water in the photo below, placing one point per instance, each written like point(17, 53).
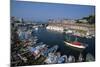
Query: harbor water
point(52, 38)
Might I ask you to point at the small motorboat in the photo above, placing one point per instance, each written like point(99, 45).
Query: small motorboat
point(76, 44)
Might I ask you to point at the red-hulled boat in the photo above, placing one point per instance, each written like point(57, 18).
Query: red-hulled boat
point(75, 44)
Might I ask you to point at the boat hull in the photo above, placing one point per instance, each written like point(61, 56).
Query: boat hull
point(77, 48)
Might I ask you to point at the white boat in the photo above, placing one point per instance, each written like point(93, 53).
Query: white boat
point(89, 36)
point(71, 59)
point(63, 59)
point(75, 44)
point(69, 32)
point(36, 28)
point(51, 59)
point(80, 58)
point(50, 50)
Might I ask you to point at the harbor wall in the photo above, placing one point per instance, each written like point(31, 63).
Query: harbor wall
point(55, 28)
point(79, 28)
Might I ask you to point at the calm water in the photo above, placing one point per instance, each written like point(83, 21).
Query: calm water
point(55, 38)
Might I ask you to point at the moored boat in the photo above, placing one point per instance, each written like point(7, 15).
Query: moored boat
point(76, 44)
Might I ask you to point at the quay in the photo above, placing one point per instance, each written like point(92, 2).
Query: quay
point(77, 28)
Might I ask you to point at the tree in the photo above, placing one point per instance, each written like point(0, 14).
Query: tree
point(91, 19)
point(77, 21)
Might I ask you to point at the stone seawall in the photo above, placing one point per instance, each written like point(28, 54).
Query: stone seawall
point(55, 28)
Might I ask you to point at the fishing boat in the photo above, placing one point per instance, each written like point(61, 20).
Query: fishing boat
point(62, 59)
point(80, 58)
point(53, 58)
point(36, 51)
point(35, 27)
point(71, 59)
point(50, 50)
point(68, 32)
point(89, 57)
point(75, 44)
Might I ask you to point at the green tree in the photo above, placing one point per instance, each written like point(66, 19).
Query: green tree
point(91, 19)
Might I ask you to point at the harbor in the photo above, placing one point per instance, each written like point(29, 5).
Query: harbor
point(51, 33)
point(36, 45)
